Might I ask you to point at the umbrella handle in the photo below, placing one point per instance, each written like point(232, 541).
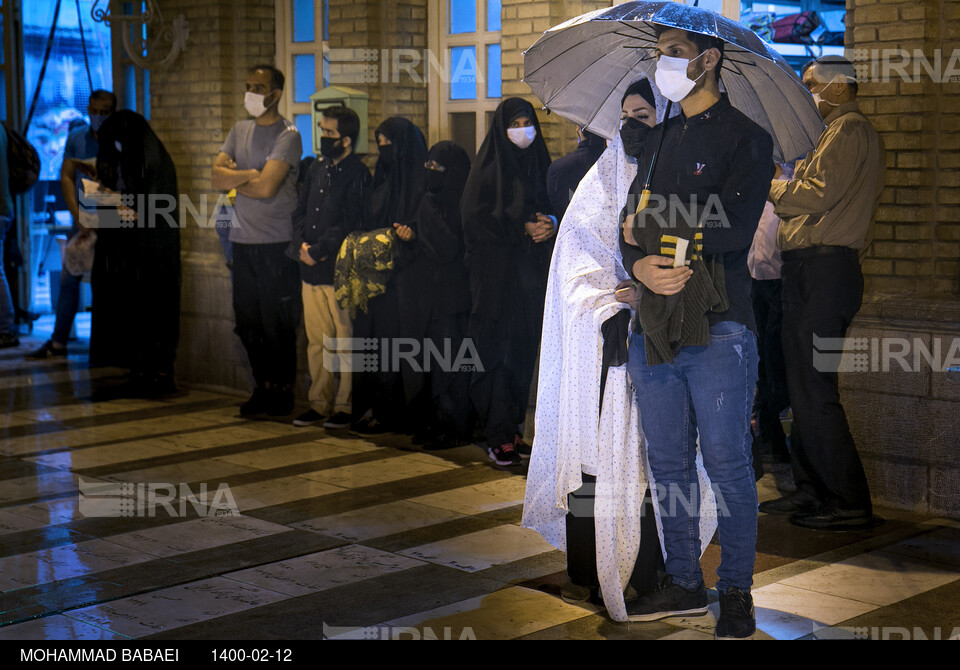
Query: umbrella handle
point(644, 200)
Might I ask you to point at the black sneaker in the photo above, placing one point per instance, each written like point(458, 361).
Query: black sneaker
point(47, 351)
point(505, 454)
point(669, 600)
point(522, 447)
point(308, 418)
point(9, 340)
point(257, 404)
point(368, 427)
point(338, 420)
point(736, 620)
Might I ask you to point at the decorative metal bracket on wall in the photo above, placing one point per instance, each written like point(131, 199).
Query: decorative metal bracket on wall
point(149, 42)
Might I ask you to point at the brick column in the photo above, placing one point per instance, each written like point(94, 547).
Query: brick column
point(194, 103)
point(385, 27)
point(917, 241)
point(903, 420)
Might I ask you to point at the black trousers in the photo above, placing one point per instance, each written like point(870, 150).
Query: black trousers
point(772, 394)
point(582, 542)
point(267, 305)
point(822, 292)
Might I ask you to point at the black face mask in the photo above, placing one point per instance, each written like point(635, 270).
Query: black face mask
point(434, 180)
point(329, 148)
point(386, 154)
point(633, 133)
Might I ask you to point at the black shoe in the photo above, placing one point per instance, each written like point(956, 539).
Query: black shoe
point(308, 418)
point(736, 620)
point(157, 386)
point(522, 447)
point(832, 518)
point(8, 340)
point(795, 503)
point(337, 421)
point(280, 401)
point(368, 427)
point(257, 404)
point(47, 351)
point(134, 387)
point(669, 600)
point(442, 441)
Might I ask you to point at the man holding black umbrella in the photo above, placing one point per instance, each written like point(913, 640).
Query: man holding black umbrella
point(694, 359)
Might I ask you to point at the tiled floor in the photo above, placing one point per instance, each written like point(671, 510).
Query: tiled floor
point(343, 537)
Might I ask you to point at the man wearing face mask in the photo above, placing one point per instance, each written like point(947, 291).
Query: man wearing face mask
point(827, 212)
point(259, 159)
point(79, 155)
point(334, 202)
point(693, 360)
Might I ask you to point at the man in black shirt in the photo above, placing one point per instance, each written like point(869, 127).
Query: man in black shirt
point(332, 204)
point(693, 359)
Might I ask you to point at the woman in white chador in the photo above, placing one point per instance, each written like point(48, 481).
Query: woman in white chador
point(572, 435)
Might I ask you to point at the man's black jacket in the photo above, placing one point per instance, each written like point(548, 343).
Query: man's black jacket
point(333, 203)
point(717, 165)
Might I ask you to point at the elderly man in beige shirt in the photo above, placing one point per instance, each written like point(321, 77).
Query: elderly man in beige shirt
point(827, 212)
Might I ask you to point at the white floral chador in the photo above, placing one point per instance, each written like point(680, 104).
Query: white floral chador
point(571, 435)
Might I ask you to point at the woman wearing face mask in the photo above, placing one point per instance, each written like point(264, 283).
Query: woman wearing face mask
point(136, 270)
point(398, 187)
point(508, 231)
point(434, 296)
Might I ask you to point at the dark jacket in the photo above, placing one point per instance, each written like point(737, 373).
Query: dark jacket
point(566, 173)
point(334, 201)
point(717, 165)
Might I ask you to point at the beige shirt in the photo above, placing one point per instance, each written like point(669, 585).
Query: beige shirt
point(835, 192)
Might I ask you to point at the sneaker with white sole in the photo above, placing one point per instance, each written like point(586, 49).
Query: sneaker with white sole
point(308, 418)
point(505, 454)
point(669, 600)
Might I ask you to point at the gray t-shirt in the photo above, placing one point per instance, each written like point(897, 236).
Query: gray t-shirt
point(265, 220)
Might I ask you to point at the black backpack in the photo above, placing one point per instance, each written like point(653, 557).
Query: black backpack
point(23, 162)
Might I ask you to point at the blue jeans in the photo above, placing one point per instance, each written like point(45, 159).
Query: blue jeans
point(706, 389)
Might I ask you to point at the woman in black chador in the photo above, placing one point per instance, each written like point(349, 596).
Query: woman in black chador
point(434, 299)
point(136, 269)
point(398, 188)
point(508, 230)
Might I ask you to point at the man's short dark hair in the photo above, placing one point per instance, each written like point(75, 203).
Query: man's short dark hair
point(835, 67)
point(702, 42)
point(101, 94)
point(348, 123)
point(276, 76)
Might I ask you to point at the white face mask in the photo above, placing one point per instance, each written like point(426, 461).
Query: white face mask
point(522, 137)
point(254, 104)
point(671, 77)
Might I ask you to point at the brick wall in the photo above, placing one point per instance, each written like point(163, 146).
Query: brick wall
point(385, 26)
point(917, 243)
point(904, 420)
point(194, 104)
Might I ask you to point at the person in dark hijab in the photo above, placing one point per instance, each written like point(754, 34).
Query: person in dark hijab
point(136, 270)
point(434, 297)
point(508, 230)
point(565, 173)
point(398, 187)
point(398, 178)
point(638, 114)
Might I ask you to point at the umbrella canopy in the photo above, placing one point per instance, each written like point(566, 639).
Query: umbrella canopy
point(580, 69)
